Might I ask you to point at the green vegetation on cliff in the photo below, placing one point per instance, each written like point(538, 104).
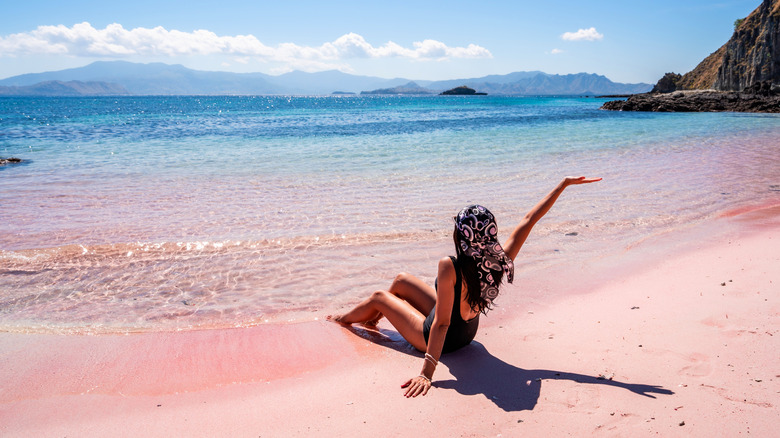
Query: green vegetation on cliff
point(751, 56)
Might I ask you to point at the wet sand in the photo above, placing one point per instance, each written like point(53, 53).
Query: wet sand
point(682, 345)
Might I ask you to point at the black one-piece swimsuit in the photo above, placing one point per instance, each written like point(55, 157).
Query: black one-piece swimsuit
point(460, 332)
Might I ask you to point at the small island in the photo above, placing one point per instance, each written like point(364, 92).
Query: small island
point(462, 91)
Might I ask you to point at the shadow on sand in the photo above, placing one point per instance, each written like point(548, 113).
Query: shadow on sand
point(511, 388)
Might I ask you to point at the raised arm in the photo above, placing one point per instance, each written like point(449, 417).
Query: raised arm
point(521, 232)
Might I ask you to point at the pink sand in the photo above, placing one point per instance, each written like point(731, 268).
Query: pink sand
point(687, 346)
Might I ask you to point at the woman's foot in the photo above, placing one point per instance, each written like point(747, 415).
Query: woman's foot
point(337, 318)
point(373, 322)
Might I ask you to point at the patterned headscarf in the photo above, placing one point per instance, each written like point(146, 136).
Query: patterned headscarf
point(478, 238)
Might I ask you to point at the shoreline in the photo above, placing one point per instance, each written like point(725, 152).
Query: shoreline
point(698, 101)
point(698, 320)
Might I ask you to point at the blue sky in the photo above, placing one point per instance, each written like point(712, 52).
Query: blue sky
point(627, 41)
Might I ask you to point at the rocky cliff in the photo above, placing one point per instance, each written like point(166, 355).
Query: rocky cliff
point(751, 56)
point(743, 75)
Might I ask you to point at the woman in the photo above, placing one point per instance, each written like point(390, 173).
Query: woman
point(444, 319)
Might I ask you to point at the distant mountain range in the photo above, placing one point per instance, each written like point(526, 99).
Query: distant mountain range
point(121, 77)
point(410, 88)
point(70, 88)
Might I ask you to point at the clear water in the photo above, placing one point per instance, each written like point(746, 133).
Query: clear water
point(159, 213)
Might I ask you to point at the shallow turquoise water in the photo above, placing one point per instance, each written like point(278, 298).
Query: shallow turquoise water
point(176, 212)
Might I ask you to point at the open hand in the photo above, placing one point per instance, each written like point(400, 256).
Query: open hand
point(416, 386)
point(570, 180)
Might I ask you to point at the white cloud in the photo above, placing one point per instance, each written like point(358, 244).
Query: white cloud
point(583, 35)
point(84, 40)
point(556, 51)
point(115, 41)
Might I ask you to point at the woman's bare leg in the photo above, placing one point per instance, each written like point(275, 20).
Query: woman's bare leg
point(412, 290)
point(401, 314)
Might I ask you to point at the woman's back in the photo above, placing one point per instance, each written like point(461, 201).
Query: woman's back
point(462, 329)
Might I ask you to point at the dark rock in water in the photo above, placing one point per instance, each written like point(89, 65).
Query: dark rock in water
point(697, 101)
point(462, 91)
point(4, 161)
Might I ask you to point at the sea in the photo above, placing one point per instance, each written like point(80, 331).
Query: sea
point(158, 213)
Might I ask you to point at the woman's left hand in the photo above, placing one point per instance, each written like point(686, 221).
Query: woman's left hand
point(416, 386)
point(570, 180)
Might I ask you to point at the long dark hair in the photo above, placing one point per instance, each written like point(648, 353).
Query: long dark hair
point(470, 274)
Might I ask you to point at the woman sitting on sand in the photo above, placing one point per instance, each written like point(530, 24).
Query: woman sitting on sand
point(443, 319)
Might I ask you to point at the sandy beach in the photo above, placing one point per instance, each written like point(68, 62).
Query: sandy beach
point(189, 216)
point(684, 345)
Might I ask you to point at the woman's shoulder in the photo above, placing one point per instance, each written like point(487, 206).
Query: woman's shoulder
point(447, 263)
point(447, 269)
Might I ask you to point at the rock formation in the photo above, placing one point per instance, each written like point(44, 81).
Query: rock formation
point(743, 74)
point(667, 84)
point(752, 55)
point(697, 101)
